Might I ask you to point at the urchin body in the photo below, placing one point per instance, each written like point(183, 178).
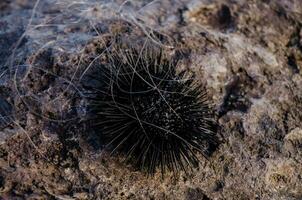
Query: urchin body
point(149, 113)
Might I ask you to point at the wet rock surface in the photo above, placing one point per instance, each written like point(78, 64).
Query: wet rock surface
point(248, 53)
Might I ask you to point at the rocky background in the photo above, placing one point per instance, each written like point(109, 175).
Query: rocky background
point(249, 54)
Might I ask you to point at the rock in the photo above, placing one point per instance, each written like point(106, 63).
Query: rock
point(5, 113)
point(293, 142)
point(196, 194)
point(247, 54)
point(284, 178)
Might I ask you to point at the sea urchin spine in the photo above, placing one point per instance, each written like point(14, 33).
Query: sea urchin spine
point(155, 117)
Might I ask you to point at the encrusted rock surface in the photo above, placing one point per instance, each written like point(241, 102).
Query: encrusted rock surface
point(248, 53)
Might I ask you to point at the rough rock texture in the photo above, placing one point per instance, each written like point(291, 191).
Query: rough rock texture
point(249, 54)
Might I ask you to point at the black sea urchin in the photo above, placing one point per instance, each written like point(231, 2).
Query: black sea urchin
point(149, 113)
